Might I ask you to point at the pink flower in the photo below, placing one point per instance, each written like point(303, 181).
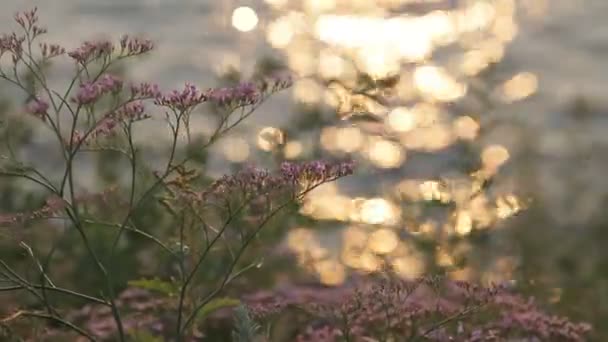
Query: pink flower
point(134, 46)
point(51, 50)
point(89, 51)
point(183, 100)
point(145, 90)
point(243, 94)
point(90, 92)
point(316, 171)
point(38, 107)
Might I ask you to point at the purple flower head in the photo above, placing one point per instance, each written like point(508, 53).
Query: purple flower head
point(145, 90)
point(51, 50)
point(395, 308)
point(256, 181)
point(134, 46)
point(27, 19)
point(90, 92)
point(243, 94)
point(109, 83)
point(87, 93)
point(89, 51)
point(132, 111)
point(183, 100)
point(12, 43)
point(38, 107)
point(316, 171)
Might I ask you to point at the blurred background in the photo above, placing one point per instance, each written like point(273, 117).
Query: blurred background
point(478, 126)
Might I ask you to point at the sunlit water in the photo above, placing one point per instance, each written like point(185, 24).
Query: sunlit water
point(546, 52)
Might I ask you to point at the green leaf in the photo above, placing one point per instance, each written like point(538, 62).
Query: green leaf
point(214, 305)
point(157, 285)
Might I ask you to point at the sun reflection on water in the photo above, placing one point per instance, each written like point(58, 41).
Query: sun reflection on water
point(423, 59)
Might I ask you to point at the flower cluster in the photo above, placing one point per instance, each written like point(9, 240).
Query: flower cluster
point(252, 180)
point(28, 21)
point(423, 308)
point(130, 112)
point(13, 44)
point(315, 172)
point(51, 50)
point(134, 46)
point(90, 92)
point(92, 50)
point(38, 107)
point(184, 100)
point(243, 94)
point(145, 90)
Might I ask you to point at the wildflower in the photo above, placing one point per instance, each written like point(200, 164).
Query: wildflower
point(28, 21)
point(183, 100)
point(12, 43)
point(38, 107)
point(424, 308)
point(92, 50)
point(316, 171)
point(51, 50)
point(145, 90)
point(243, 94)
point(132, 111)
point(90, 92)
point(134, 46)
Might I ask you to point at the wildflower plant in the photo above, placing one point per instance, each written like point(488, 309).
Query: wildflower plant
point(210, 221)
point(424, 309)
point(203, 229)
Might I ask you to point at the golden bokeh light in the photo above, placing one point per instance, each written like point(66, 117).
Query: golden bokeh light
point(431, 190)
point(443, 258)
point(466, 128)
point(236, 150)
point(408, 266)
point(244, 19)
point(331, 272)
point(317, 6)
point(379, 211)
point(277, 3)
point(280, 32)
point(428, 139)
point(369, 262)
point(307, 91)
point(383, 241)
point(385, 154)
point(269, 138)
point(401, 119)
point(293, 149)
point(435, 83)
point(331, 65)
point(520, 87)
point(494, 156)
point(507, 206)
point(349, 139)
point(299, 239)
point(464, 223)
point(331, 44)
